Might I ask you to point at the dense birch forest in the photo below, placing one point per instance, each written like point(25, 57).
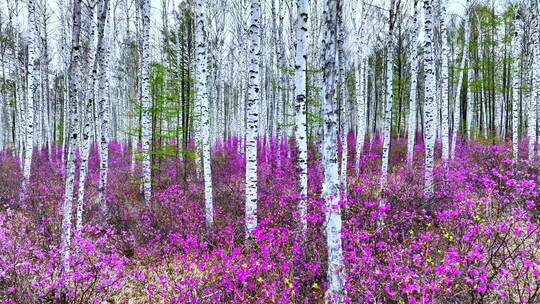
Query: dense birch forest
point(269, 151)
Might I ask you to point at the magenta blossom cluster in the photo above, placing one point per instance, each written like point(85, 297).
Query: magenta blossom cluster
point(476, 240)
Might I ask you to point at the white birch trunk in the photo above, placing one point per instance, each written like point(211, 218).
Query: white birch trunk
point(300, 107)
point(457, 99)
point(445, 129)
point(74, 87)
point(22, 120)
point(145, 101)
point(85, 140)
point(336, 279)
point(253, 118)
point(280, 78)
point(532, 125)
point(343, 105)
point(202, 100)
point(387, 123)
point(516, 54)
point(197, 125)
point(48, 123)
point(359, 64)
point(411, 130)
point(429, 101)
point(469, 101)
point(361, 111)
point(30, 94)
point(103, 63)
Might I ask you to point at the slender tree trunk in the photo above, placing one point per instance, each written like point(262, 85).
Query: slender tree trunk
point(103, 63)
point(532, 125)
point(516, 54)
point(145, 101)
point(360, 62)
point(300, 108)
point(343, 111)
point(333, 224)
point(457, 96)
point(202, 100)
point(30, 94)
point(74, 87)
point(253, 118)
point(387, 124)
point(469, 102)
point(85, 140)
point(361, 110)
point(445, 129)
point(48, 119)
point(429, 98)
point(411, 131)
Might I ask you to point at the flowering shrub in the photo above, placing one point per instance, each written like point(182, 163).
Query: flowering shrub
point(30, 269)
point(477, 240)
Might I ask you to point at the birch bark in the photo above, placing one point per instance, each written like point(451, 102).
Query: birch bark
point(457, 99)
point(358, 19)
point(429, 101)
point(253, 118)
point(145, 101)
point(202, 100)
point(387, 123)
point(336, 280)
point(85, 140)
point(74, 87)
point(103, 63)
point(516, 54)
point(300, 107)
point(445, 129)
point(532, 125)
point(411, 130)
point(343, 103)
point(30, 94)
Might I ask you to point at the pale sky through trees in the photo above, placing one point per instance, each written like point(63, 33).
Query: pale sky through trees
point(454, 7)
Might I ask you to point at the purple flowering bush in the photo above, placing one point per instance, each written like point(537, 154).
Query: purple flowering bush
point(476, 240)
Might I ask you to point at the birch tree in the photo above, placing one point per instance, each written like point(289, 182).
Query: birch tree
point(343, 103)
point(47, 114)
point(359, 65)
point(336, 279)
point(30, 93)
point(457, 101)
point(103, 63)
point(145, 101)
point(445, 54)
point(253, 118)
point(202, 100)
point(74, 87)
point(429, 98)
point(469, 100)
point(87, 112)
point(387, 124)
point(411, 130)
point(533, 102)
point(300, 107)
point(516, 54)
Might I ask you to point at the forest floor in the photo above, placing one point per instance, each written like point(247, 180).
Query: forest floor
point(477, 240)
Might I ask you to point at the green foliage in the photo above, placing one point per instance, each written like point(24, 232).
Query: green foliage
point(289, 70)
point(314, 118)
point(165, 150)
point(190, 153)
point(166, 107)
point(60, 131)
point(313, 100)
